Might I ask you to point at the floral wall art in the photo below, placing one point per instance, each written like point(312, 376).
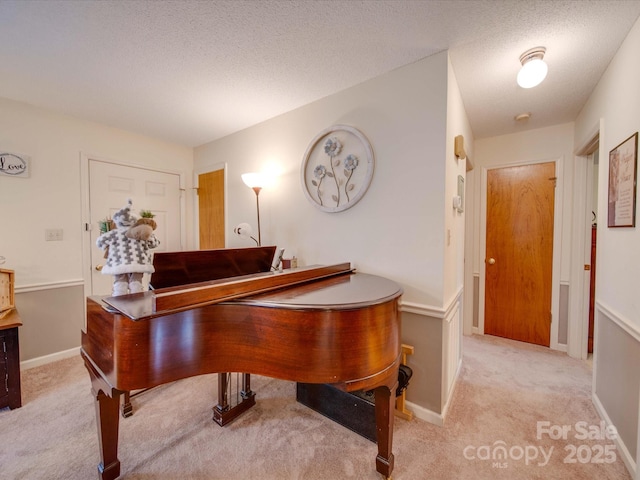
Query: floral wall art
point(337, 168)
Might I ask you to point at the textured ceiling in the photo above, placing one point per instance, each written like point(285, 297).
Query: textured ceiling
point(194, 71)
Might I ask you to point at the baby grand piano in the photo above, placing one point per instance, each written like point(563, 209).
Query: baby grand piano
point(319, 324)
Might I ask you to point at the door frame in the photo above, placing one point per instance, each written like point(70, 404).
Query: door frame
point(557, 236)
point(86, 226)
point(578, 308)
point(197, 171)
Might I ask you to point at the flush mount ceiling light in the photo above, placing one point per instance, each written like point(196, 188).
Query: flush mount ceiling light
point(523, 117)
point(533, 70)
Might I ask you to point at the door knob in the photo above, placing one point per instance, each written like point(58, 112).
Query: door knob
point(99, 267)
point(491, 261)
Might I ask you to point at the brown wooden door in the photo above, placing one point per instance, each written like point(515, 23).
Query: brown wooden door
point(519, 252)
point(211, 209)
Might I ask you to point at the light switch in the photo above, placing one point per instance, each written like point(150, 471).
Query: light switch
point(53, 235)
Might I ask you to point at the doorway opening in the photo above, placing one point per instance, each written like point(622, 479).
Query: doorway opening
point(583, 258)
point(519, 252)
point(550, 312)
point(210, 183)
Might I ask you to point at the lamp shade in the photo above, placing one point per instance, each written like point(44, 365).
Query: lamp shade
point(254, 180)
point(244, 230)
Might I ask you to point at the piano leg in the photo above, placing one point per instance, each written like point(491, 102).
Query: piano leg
point(385, 405)
point(107, 419)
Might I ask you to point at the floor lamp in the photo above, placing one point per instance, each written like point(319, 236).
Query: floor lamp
point(255, 181)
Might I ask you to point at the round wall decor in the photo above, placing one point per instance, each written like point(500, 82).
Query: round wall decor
point(337, 168)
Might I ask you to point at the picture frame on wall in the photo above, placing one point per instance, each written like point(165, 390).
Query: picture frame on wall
point(623, 174)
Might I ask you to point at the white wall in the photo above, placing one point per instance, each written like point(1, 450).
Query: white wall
point(616, 100)
point(614, 110)
point(454, 233)
point(51, 196)
point(397, 228)
point(455, 300)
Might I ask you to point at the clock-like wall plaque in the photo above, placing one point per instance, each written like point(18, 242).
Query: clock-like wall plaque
point(337, 168)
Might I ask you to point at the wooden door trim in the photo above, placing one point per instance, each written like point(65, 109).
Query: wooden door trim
point(85, 158)
point(208, 168)
point(557, 235)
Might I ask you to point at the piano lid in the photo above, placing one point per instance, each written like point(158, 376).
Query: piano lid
point(336, 293)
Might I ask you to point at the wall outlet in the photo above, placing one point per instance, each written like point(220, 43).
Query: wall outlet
point(53, 235)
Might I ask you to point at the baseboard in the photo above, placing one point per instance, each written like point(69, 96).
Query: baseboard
point(425, 414)
point(429, 415)
point(627, 458)
point(560, 347)
point(447, 404)
point(54, 357)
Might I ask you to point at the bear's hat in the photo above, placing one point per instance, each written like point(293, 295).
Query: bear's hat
point(124, 217)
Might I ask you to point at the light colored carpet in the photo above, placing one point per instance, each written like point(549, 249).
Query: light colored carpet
point(504, 389)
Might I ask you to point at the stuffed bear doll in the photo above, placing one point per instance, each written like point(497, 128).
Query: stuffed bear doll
point(129, 256)
point(142, 229)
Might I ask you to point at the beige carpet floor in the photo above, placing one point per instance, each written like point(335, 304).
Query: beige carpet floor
point(505, 388)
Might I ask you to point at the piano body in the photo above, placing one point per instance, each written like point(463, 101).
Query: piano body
point(320, 324)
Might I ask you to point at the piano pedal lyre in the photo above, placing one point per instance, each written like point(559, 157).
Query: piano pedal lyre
point(126, 407)
point(225, 412)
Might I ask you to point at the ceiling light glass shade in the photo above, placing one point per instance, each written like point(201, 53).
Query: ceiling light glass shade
point(532, 73)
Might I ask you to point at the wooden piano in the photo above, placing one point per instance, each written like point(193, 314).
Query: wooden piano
point(319, 324)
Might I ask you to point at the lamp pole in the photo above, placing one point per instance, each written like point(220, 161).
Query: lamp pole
point(257, 190)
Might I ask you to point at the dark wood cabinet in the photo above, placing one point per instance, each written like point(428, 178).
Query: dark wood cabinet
point(10, 393)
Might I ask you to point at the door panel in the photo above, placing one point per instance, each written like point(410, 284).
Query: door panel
point(211, 209)
point(519, 256)
point(110, 185)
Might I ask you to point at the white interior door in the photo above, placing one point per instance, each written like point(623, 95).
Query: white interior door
point(110, 185)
